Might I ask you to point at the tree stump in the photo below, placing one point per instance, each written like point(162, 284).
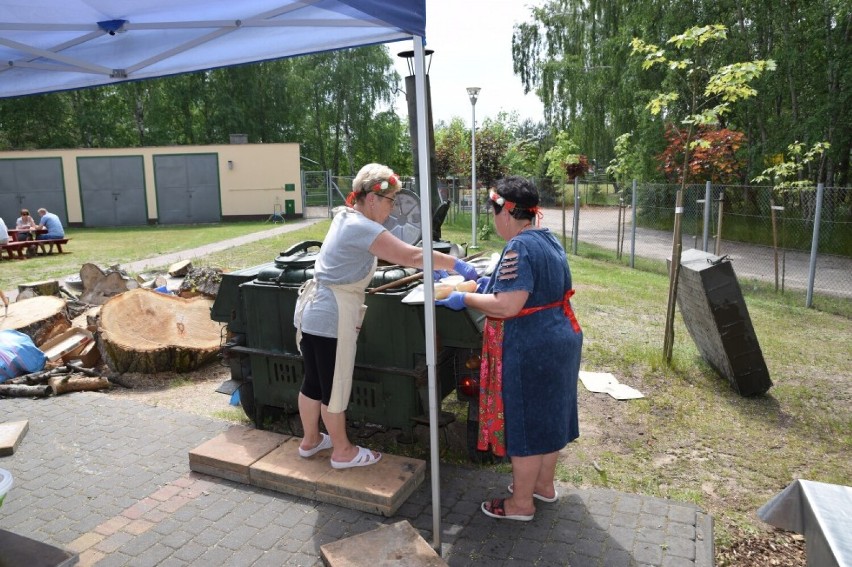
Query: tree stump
point(40, 318)
point(33, 289)
point(145, 331)
point(100, 286)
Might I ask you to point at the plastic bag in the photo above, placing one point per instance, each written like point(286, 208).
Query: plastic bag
point(18, 355)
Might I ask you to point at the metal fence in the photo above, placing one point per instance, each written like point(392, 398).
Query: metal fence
point(798, 240)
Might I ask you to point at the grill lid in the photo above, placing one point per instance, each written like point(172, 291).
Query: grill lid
point(300, 255)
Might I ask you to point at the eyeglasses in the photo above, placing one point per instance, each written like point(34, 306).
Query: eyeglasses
point(391, 199)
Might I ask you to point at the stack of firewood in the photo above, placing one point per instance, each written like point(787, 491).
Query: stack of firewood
point(53, 382)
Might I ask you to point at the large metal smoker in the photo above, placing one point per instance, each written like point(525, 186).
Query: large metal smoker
point(390, 386)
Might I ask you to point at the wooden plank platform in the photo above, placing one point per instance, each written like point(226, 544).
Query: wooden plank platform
point(271, 460)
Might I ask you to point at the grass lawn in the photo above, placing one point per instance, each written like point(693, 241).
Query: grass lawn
point(692, 438)
point(109, 246)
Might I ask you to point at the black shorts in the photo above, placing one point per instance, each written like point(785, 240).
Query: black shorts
point(319, 354)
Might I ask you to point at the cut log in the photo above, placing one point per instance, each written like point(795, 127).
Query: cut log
point(46, 287)
point(204, 281)
point(100, 286)
point(145, 331)
point(22, 391)
point(179, 269)
point(64, 384)
point(40, 318)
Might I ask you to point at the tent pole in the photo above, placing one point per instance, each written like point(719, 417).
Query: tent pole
point(423, 182)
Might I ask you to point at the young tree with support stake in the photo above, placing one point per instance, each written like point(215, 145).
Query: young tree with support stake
point(700, 97)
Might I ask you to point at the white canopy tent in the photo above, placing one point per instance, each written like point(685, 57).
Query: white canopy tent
point(54, 45)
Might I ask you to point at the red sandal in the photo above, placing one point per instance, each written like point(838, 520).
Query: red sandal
point(497, 509)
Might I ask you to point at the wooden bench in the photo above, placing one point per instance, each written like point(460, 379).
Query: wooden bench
point(15, 250)
point(46, 246)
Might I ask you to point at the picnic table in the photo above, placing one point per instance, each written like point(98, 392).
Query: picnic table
point(16, 234)
point(20, 249)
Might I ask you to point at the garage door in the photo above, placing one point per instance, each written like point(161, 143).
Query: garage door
point(187, 188)
point(113, 191)
point(31, 184)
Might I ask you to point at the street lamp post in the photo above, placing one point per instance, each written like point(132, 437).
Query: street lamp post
point(473, 93)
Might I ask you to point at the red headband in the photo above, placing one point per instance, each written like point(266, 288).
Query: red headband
point(509, 205)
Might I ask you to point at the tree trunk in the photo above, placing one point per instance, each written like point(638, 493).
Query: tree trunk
point(64, 384)
point(23, 391)
point(40, 318)
point(145, 331)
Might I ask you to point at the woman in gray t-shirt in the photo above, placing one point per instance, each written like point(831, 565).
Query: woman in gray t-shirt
point(328, 313)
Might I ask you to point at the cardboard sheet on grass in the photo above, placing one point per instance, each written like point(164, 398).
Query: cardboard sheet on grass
point(606, 383)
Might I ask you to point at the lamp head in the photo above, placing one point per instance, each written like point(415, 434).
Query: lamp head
point(473, 93)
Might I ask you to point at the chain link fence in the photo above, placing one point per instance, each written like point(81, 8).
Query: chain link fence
point(799, 239)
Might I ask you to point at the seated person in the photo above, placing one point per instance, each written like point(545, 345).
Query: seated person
point(4, 234)
point(53, 225)
point(25, 222)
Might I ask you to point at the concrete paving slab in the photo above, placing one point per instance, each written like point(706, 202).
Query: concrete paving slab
point(11, 434)
point(377, 489)
point(283, 470)
point(390, 545)
point(384, 485)
point(230, 454)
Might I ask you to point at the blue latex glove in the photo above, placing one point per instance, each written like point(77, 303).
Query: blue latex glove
point(467, 270)
point(454, 301)
point(482, 283)
point(438, 274)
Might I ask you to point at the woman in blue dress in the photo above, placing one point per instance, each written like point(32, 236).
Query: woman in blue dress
point(530, 355)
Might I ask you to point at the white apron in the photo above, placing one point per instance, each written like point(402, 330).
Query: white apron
point(350, 315)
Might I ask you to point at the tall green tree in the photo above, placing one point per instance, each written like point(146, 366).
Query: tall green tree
point(574, 54)
point(452, 148)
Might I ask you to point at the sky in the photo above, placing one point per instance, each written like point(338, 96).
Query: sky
point(472, 40)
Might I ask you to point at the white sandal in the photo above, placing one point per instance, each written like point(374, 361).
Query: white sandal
point(538, 496)
point(324, 444)
point(364, 458)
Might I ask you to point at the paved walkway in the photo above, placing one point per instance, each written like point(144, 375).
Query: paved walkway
point(109, 478)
